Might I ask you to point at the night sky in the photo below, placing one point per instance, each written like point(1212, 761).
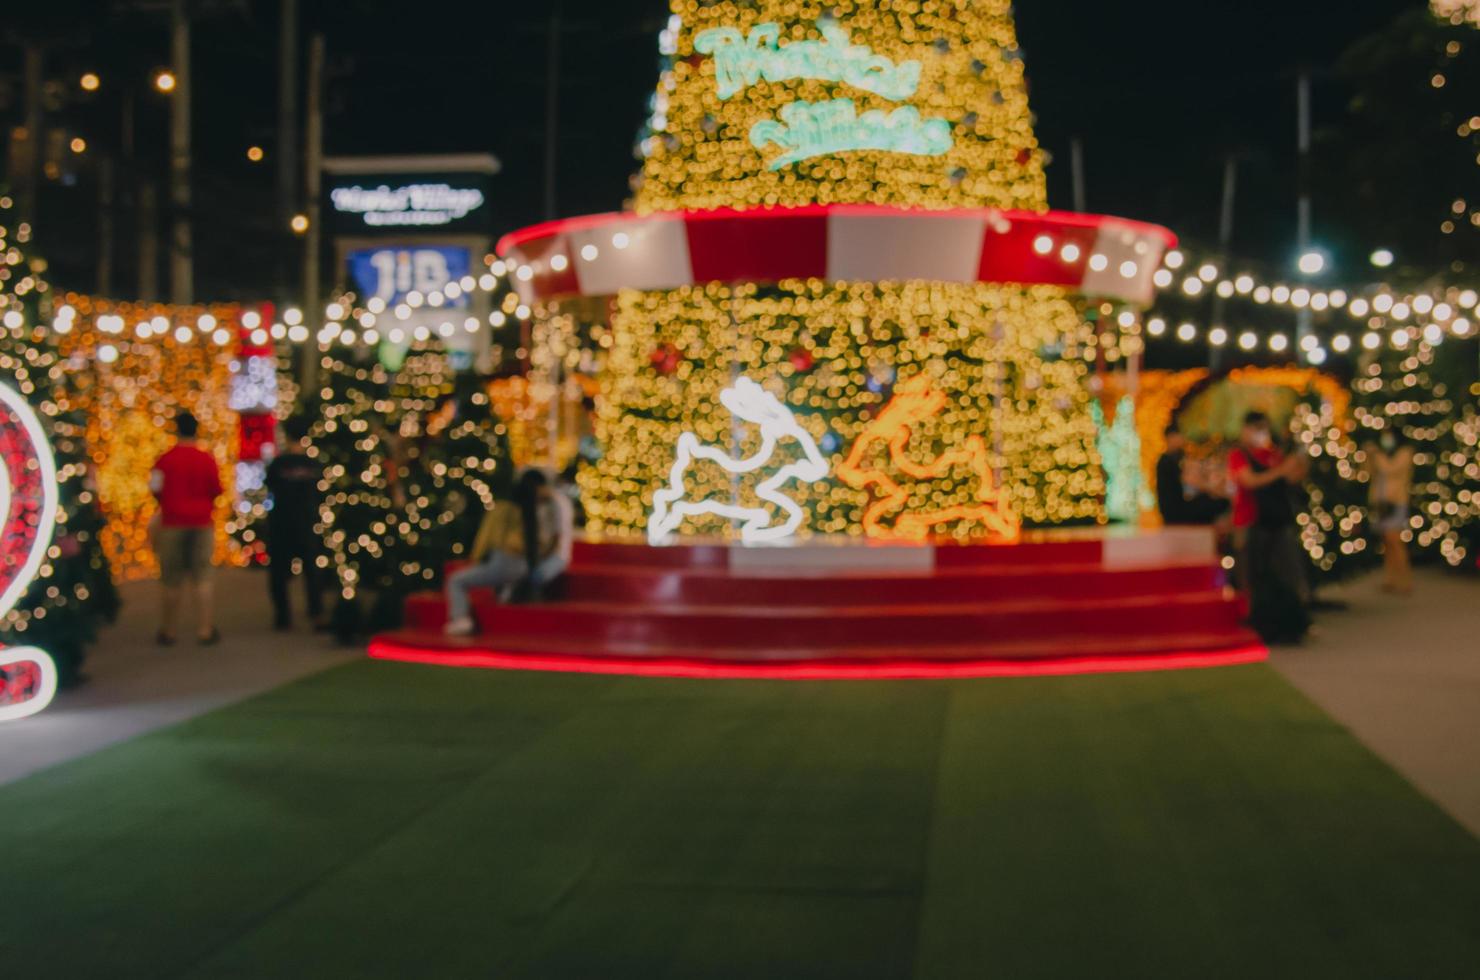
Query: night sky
point(1159, 91)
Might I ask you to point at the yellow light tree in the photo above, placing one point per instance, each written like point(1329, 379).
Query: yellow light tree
point(742, 72)
point(917, 104)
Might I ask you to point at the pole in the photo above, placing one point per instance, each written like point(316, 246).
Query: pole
point(105, 225)
point(30, 163)
point(182, 285)
point(148, 242)
point(552, 109)
point(1076, 166)
point(1225, 249)
point(313, 153)
point(1302, 212)
point(287, 135)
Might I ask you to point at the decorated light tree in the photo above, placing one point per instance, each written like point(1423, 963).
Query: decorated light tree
point(1335, 524)
point(73, 592)
point(837, 199)
point(412, 459)
point(1397, 390)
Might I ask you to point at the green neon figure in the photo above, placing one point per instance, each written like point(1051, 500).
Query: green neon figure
point(740, 61)
point(814, 129)
point(1126, 492)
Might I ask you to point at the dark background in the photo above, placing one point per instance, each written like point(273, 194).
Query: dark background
point(1159, 91)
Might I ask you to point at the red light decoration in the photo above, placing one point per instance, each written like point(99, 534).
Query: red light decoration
point(692, 667)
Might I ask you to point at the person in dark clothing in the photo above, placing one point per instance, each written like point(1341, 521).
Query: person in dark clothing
point(1265, 514)
point(1179, 503)
point(293, 483)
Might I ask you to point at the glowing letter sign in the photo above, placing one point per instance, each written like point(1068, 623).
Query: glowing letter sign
point(751, 403)
point(28, 501)
point(813, 129)
point(411, 204)
point(740, 62)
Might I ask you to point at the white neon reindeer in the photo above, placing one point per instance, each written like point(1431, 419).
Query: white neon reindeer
point(751, 403)
point(28, 507)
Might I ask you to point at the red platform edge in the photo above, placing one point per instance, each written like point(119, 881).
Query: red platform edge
point(387, 649)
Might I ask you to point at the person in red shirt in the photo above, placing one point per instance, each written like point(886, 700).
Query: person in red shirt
point(186, 481)
point(1265, 532)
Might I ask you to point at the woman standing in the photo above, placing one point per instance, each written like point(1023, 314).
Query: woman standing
point(1389, 466)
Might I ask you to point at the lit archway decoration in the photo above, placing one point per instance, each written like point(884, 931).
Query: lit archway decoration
point(748, 402)
point(28, 501)
point(914, 402)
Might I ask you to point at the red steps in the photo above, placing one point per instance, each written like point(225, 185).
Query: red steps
point(615, 583)
point(682, 610)
point(894, 624)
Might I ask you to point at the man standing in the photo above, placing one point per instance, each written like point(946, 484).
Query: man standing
point(293, 479)
point(186, 481)
point(1179, 503)
point(1265, 532)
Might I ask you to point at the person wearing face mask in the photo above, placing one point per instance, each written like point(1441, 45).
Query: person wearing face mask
point(1265, 533)
point(1389, 467)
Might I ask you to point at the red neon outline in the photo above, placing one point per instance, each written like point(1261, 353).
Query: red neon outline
point(383, 649)
point(1045, 219)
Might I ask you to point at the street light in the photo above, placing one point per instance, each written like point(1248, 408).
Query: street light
point(255, 154)
point(90, 82)
point(1312, 263)
point(299, 224)
point(1382, 258)
point(164, 80)
point(79, 145)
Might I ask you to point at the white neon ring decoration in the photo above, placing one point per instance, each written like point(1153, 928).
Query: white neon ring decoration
point(751, 403)
point(28, 503)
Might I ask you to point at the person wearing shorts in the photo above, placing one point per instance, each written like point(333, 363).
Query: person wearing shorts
point(186, 482)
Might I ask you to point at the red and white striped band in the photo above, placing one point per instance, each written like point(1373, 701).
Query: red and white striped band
point(1103, 257)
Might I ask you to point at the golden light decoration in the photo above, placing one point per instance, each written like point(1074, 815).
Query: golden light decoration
point(998, 353)
point(129, 387)
point(525, 408)
point(1011, 360)
point(700, 154)
point(893, 435)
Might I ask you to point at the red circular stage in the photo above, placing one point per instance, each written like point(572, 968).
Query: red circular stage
point(1052, 604)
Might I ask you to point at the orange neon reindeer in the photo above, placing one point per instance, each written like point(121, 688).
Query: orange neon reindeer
point(914, 402)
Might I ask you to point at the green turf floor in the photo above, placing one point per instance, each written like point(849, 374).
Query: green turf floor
point(385, 820)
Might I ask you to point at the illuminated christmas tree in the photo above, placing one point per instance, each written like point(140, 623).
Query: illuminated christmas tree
point(1397, 390)
point(73, 593)
point(412, 459)
point(915, 105)
point(1335, 524)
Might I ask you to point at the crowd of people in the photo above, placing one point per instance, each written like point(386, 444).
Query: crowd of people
point(1252, 497)
point(523, 544)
